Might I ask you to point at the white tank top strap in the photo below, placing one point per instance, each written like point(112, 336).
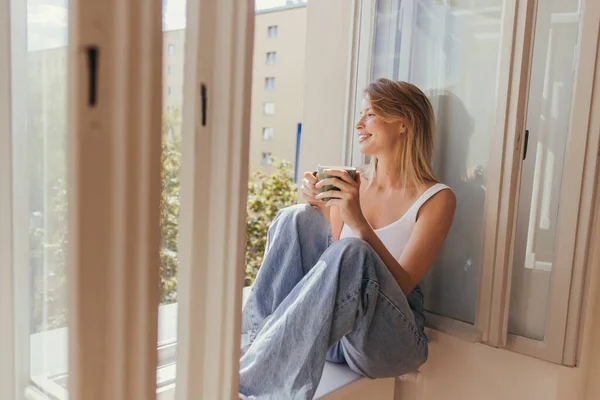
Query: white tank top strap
point(429, 193)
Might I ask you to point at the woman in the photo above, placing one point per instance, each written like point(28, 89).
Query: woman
point(339, 280)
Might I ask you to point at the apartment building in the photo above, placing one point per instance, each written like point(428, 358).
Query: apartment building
point(277, 84)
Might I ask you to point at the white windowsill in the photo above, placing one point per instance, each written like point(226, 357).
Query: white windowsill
point(338, 381)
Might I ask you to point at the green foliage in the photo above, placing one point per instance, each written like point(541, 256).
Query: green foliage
point(169, 217)
point(267, 194)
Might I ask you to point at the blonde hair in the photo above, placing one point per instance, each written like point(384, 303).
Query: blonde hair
point(399, 102)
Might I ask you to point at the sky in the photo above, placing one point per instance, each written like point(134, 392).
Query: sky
point(47, 20)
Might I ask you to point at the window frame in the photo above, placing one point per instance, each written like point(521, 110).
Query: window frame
point(113, 339)
point(213, 214)
point(273, 55)
point(15, 302)
point(265, 158)
point(8, 372)
point(274, 29)
point(270, 83)
point(515, 56)
point(576, 212)
point(265, 112)
point(268, 129)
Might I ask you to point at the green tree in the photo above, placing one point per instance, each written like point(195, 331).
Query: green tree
point(267, 194)
point(169, 216)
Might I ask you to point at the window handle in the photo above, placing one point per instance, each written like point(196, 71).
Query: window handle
point(525, 144)
point(204, 100)
point(92, 56)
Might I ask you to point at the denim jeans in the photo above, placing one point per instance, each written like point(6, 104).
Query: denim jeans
point(315, 300)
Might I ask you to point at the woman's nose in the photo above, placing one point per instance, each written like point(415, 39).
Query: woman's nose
point(360, 124)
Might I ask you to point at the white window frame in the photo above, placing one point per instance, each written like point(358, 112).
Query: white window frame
point(219, 45)
point(271, 57)
point(105, 337)
point(576, 211)
point(15, 301)
point(560, 344)
point(114, 187)
point(8, 372)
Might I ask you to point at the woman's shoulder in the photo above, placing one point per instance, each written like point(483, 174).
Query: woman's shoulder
point(440, 199)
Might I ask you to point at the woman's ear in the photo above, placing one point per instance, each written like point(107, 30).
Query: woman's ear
point(403, 128)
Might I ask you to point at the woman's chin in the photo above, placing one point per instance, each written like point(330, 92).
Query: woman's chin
point(365, 150)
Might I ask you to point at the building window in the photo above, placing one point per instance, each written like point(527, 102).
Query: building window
point(266, 158)
point(271, 57)
point(270, 83)
point(169, 90)
point(170, 69)
point(171, 49)
point(272, 31)
point(269, 108)
point(267, 133)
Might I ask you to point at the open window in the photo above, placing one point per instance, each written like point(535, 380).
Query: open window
point(511, 267)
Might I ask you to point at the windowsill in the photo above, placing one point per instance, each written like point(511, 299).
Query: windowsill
point(453, 327)
point(48, 380)
point(340, 382)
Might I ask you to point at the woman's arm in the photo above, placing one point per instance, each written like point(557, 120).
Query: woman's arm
point(336, 222)
point(433, 223)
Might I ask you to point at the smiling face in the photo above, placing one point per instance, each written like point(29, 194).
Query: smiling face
point(375, 136)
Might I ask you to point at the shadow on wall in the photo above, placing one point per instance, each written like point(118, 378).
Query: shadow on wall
point(451, 285)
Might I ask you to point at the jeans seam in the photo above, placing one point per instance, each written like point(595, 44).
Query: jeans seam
point(351, 297)
point(404, 318)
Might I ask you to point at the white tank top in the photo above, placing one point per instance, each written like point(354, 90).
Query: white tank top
point(395, 235)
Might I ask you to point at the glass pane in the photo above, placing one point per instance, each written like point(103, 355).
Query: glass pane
point(45, 161)
point(273, 158)
point(174, 24)
point(555, 57)
point(450, 50)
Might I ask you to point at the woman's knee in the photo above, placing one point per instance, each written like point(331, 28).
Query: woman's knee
point(382, 367)
point(351, 246)
point(300, 214)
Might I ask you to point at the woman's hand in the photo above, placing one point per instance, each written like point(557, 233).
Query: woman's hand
point(309, 191)
point(347, 198)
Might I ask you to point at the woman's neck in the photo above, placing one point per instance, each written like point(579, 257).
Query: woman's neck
point(387, 175)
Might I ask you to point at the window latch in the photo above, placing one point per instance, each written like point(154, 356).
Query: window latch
point(525, 144)
point(92, 56)
point(204, 101)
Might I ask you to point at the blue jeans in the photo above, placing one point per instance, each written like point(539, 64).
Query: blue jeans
point(315, 300)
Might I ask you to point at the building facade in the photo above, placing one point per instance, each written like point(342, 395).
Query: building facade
point(277, 84)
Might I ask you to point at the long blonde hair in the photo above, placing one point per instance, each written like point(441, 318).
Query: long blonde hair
point(402, 102)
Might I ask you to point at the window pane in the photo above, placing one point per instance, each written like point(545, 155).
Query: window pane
point(272, 31)
point(274, 158)
point(450, 50)
point(174, 24)
point(45, 73)
point(548, 123)
point(269, 108)
point(270, 83)
point(267, 133)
